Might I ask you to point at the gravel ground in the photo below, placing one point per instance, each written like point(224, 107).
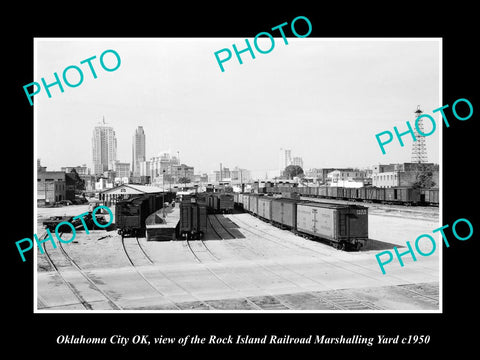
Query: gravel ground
point(263, 268)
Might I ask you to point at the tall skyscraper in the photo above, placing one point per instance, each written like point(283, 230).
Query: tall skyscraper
point(138, 150)
point(104, 148)
point(285, 158)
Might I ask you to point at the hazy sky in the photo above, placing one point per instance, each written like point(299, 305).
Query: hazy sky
point(325, 99)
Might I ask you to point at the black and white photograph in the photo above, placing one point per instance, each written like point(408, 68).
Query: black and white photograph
point(231, 183)
point(256, 188)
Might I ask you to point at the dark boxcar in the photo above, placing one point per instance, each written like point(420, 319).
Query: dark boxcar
point(345, 226)
point(265, 207)
point(362, 193)
point(371, 193)
point(322, 191)
point(334, 192)
point(225, 203)
point(284, 212)
point(350, 193)
point(381, 194)
point(130, 215)
point(403, 195)
point(193, 219)
point(431, 196)
point(346, 193)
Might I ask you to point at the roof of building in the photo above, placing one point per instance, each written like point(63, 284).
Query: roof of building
point(133, 189)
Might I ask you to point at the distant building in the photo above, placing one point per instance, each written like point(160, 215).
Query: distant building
point(297, 160)
point(319, 173)
point(144, 168)
point(89, 181)
point(104, 148)
point(52, 186)
point(138, 150)
point(182, 171)
point(140, 180)
point(346, 174)
point(39, 167)
point(285, 158)
point(81, 170)
point(240, 175)
point(121, 169)
point(200, 178)
point(161, 168)
point(404, 174)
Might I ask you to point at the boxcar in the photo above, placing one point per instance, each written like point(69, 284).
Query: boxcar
point(265, 207)
point(225, 203)
point(352, 193)
point(253, 204)
point(322, 191)
point(130, 215)
point(402, 195)
point(193, 219)
point(362, 193)
point(246, 201)
point(431, 196)
point(344, 226)
point(334, 192)
point(284, 212)
point(372, 194)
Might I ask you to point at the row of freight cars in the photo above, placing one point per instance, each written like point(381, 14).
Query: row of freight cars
point(130, 214)
point(393, 195)
point(342, 226)
point(194, 210)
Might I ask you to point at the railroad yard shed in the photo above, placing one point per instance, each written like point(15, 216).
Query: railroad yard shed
point(110, 196)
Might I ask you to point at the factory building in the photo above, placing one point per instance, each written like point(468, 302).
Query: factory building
point(404, 174)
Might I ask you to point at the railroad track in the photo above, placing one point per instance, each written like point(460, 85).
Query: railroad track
point(340, 303)
point(223, 226)
point(348, 266)
point(73, 289)
point(135, 262)
point(197, 258)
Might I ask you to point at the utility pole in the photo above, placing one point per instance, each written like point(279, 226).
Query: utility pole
point(163, 193)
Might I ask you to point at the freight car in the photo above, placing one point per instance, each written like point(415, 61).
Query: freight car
point(193, 219)
point(400, 195)
point(130, 214)
point(220, 202)
point(342, 226)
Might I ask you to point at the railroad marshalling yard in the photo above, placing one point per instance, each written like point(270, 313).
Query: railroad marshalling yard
point(243, 263)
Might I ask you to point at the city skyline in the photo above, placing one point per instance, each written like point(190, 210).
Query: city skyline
point(337, 92)
point(138, 150)
point(104, 148)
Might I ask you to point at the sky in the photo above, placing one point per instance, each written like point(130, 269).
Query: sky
point(325, 99)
